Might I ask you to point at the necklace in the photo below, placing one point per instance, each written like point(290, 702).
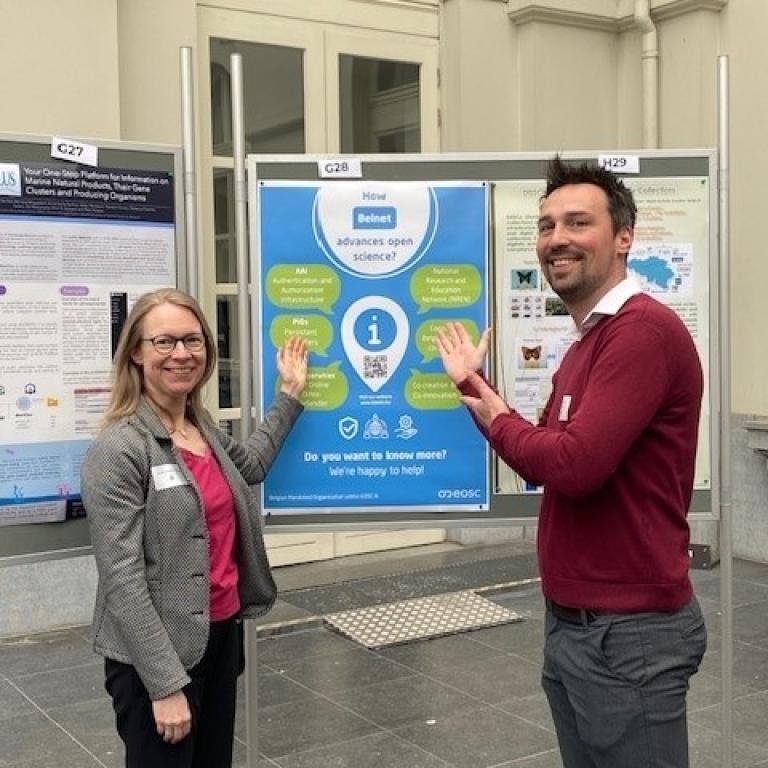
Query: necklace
point(183, 432)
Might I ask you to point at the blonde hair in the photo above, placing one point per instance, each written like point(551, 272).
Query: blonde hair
point(127, 378)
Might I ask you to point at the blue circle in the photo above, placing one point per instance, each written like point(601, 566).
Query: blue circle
point(375, 329)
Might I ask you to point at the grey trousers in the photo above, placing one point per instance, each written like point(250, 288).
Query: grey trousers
point(617, 687)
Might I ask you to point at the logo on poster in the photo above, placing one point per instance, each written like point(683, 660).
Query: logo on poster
point(10, 179)
point(459, 493)
point(348, 427)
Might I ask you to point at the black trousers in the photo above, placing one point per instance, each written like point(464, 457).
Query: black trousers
point(212, 696)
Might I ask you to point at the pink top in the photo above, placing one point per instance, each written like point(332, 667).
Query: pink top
point(219, 507)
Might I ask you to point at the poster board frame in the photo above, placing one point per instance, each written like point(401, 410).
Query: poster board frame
point(34, 542)
point(506, 509)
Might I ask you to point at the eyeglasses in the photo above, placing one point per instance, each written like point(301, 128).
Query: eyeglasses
point(164, 345)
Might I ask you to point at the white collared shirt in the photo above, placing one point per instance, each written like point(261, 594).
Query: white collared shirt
point(610, 304)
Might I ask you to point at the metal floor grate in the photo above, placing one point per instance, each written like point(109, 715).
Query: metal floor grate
point(379, 626)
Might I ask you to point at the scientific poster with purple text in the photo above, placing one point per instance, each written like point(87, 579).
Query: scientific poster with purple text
point(78, 244)
point(366, 272)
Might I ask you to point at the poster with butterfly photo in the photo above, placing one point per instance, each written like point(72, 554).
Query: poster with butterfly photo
point(531, 354)
point(669, 259)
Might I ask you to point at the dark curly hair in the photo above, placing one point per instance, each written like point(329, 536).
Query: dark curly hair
point(621, 203)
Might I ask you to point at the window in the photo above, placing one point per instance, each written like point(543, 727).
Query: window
point(273, 82)
point(379, 105)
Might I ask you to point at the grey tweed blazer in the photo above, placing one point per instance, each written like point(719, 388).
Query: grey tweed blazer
point(151, 544)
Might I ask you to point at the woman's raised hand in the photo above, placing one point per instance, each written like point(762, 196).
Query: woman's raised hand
point(292, 366)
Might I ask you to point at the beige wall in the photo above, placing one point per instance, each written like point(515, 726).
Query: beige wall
point(629, 83)
point(688, 50)
point(479, 78)
point(94, 68)
point(743, 38)
point(574, 81)
point(557, 69)
point(58, 68)
point(150, 34)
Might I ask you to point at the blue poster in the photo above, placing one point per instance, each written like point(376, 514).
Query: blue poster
point(366, 272)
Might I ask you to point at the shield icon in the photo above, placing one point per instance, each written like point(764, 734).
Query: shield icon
point(348, 427)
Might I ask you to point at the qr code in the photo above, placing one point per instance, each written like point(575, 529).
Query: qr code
point(374, 366)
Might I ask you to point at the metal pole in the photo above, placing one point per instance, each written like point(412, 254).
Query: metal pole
point(241, 238)
point(246, 386)
point(726, 542)
point(188, 144)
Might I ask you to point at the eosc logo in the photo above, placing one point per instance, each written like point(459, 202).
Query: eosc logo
point(459, 493)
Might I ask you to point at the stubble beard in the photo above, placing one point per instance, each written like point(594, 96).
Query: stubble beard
point(573, 286)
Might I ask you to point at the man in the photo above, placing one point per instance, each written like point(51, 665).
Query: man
point(615, 451)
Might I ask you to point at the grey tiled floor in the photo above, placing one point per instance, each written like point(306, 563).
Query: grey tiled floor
point(469, 700)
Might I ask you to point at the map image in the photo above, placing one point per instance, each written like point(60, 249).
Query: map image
point(663, 268)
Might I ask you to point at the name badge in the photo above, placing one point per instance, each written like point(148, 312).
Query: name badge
point(168, 476)
point(565, 406)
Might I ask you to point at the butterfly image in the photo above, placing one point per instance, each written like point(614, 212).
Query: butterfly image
point(531, 353)
point(525, 277)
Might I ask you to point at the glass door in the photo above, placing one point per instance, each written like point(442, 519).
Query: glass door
point(283, 113)
point(384, 88)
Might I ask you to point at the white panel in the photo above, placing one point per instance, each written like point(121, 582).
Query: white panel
point(358, 542)
point(291, 548)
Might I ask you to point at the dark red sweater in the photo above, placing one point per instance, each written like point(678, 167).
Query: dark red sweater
point(617, 464)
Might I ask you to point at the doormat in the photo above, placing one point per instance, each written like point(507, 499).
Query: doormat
point(405, 621)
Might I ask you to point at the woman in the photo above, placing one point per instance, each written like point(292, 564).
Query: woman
point(177, 536)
